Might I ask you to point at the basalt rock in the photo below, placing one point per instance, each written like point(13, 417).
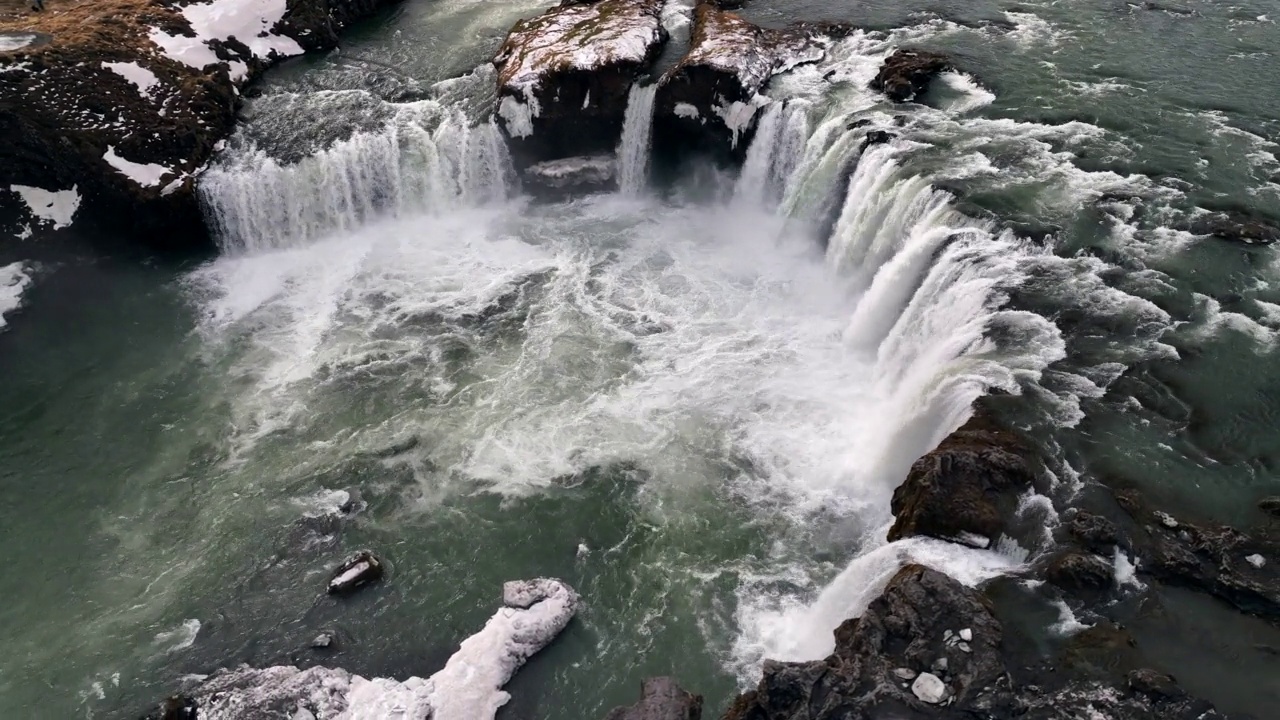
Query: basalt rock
point(966, 489)
point(907, 73)
point(1239, 227)
point(359, 570)
point(906, 634)
point(564, 76)
point(1080, 572)
point(1240, 568)
point(708, 103)
point(128, 99)
point(661, 699)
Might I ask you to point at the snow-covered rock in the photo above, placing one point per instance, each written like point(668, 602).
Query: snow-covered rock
point(711, 98)
point(564, 76)
point(469, 687)
point(128, 111)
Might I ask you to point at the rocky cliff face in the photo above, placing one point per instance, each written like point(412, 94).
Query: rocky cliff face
point(128, 99)
point(564, 76)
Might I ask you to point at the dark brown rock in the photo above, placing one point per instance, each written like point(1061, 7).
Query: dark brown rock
point(64, 114)
point(1077, 571)
point(965, 489)
point(661, 699)
point(1094, 531)
point(907, 73)
point(1154, 684)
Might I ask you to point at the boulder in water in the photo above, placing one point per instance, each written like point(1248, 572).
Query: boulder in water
point(1270, 505)
point(359, 570)
point(907, 73)
point(1080, 572)
point(555, 180)
point(965, 490)
point(661, 699)
point(564, 76)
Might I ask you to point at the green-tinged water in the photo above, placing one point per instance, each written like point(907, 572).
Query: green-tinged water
point(689, 408)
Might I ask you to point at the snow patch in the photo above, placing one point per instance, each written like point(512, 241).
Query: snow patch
point(15, 41)
point(144, 174)
point(14, 280)
point(685, 110)
point(55, 206)
point(249, 21)
point(518, 116)
point(141, 77)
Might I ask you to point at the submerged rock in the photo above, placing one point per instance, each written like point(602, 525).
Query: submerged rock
point(708, 102)
point(571, 177)
point(966, 489)
point(359, 570)
point(1237, 227)
point(126, 102)
point(907, 73)
point(1270, 506)
point(564, 76)
point(661, 699)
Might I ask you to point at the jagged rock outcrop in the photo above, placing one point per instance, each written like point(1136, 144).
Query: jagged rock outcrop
point(661, 699)
point(178, 707)
point(708, 103)
point(907, 658)
point(1239, 568)
point(128, 99)
point(357, 571)
point(907, 73)
point(564, 76)
point(966, 489)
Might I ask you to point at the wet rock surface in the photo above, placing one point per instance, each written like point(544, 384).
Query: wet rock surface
point(359, 570)
point(907, 628)
point(907, 73)
point(966, 489)
point(555, 180)
point(564, 76)
point(661, 698)
point(104, 107)
point(178, 707)
point(1238, 227)
point(1219, 560)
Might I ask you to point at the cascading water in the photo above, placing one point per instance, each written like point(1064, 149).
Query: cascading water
point(633, 148)
point(429, 158)
point(719, 349)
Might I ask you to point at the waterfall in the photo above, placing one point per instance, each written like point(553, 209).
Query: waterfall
point(633, 148)
point(429, 158)
point(774, 154)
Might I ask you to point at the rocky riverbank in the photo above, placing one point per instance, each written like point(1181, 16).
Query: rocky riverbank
point(118, 104)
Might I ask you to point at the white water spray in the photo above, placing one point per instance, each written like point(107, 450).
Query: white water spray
point(429, 159)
